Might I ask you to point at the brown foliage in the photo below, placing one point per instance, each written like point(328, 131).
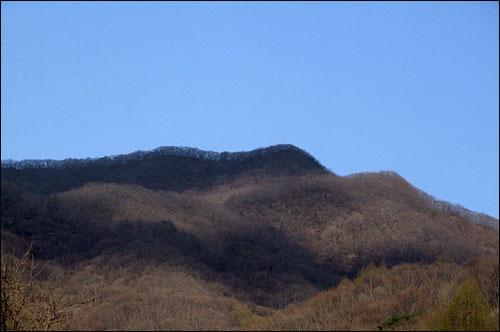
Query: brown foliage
point(26, 303)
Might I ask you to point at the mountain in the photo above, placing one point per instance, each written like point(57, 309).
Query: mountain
point(237, 236)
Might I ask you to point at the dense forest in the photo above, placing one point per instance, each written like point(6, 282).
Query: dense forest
point(185, 239)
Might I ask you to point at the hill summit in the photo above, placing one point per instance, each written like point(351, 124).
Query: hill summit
point(167, 167)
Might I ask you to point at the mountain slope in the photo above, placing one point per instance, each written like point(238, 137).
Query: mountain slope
point(268, 228)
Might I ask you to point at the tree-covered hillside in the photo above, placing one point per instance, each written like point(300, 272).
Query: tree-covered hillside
point(269, 239)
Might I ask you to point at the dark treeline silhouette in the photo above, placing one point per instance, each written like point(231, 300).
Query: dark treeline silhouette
point(172, 168)
point(179, 151)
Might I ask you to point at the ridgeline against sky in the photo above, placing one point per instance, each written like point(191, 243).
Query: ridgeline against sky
point(409, 87)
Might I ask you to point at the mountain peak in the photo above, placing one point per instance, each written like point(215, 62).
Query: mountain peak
point(166, 167)
point(176, 151)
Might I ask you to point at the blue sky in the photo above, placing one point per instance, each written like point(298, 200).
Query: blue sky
point(410, 87)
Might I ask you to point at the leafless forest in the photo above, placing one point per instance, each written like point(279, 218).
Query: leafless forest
point(184, 239)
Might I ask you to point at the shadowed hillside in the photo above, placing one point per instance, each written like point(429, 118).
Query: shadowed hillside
point(169, 168)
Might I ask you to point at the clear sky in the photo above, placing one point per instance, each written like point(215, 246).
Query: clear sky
point(410, 87)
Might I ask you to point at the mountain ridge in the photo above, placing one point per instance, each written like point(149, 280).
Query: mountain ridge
point(11, 167)
point(180, 151)
point(169, 168)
